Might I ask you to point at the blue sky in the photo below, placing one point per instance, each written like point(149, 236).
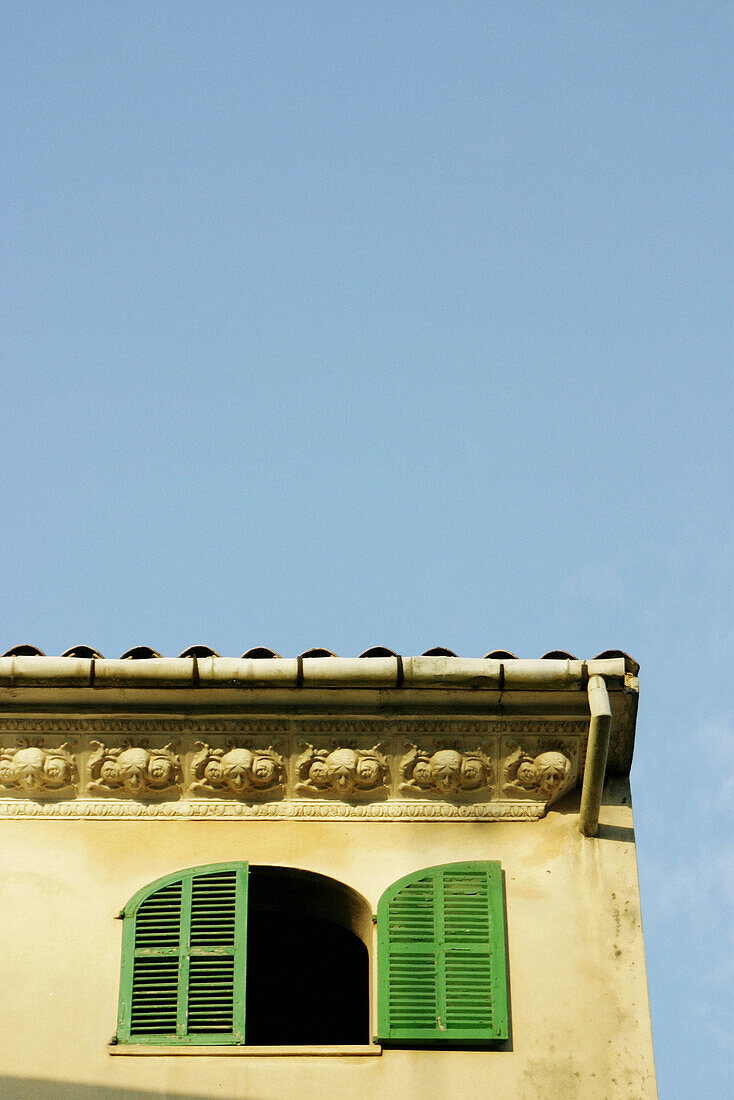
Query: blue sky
point(399, 323)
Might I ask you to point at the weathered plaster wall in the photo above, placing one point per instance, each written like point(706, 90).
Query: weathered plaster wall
point(580, 1018)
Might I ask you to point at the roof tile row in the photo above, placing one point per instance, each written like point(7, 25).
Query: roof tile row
point(142, 652)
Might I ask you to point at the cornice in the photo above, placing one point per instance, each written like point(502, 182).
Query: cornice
point(272, 694)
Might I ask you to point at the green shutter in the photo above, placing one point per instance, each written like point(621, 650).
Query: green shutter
point(183, 959)
point(442, 977)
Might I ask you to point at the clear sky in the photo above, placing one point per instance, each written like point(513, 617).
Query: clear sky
point(409, 324)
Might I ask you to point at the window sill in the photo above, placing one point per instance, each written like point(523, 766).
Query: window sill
point(131, 1050)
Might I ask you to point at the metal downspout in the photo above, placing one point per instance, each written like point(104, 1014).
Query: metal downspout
point(600, 728)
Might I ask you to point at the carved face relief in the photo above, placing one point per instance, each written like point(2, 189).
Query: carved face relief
point(342, 772)
point(7, 771)
point(238, 771)
point(214, 771)
point(29, 769)
point(527, 774)
point(132, 767)
point(318, 773)
point(160, 771)
point(57, 771)
point(34, 771)
point(446, 768)
point(473, 772)
point(132, 770)
point(109, 771)
point(423, 773)
point(342, 768)
point(237, 765)
point(542, 777)
point(368, 772)
point(448, 773)
point(552, 769)
point(264, 771)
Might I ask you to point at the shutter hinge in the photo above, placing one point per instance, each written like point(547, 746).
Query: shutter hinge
point(120, 915)
point(374, 918)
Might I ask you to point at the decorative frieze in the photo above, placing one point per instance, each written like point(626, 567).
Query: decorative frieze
point(289, 766)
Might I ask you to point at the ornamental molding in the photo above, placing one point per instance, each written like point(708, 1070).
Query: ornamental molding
point(451, 726)
point(219, 810)
point(344, 726)
point(166, 724)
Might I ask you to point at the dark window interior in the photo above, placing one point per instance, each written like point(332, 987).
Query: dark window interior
point(306, 982)
point(307, 975)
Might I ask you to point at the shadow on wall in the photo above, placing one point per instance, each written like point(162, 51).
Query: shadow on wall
point(616, 793)
point(620, 833)
point(33, 1088)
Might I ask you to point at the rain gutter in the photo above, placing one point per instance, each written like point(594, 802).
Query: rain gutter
point(600, 727)
point(310, 672)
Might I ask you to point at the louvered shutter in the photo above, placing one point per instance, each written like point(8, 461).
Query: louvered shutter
point(442, 977)
point(184, 953)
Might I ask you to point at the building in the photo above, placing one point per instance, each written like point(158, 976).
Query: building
point(269, 878)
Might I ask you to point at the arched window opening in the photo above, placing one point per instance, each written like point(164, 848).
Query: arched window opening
point(232, 954)
point(307, 965)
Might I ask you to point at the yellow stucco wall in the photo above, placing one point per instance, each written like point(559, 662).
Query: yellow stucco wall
point(580, 1018)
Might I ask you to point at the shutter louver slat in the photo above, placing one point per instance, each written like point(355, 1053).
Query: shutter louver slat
point(211, 985)
point(211, 977)
point(412, 991)
point(155, 974)
point(411, 966)
point(468, 977)
point(468, 992)
point(213, 902)
point(158, 920)
point(155, 996)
